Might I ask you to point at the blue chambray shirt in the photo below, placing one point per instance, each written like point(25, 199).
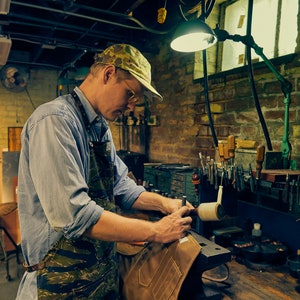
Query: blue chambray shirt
point(53, 176)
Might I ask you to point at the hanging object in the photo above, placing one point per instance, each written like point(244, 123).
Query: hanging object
point(162, 14)
point(5, 46)
point(14, 79)
point(4, 7)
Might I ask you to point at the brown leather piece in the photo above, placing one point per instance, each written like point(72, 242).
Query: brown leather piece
point(157, 271)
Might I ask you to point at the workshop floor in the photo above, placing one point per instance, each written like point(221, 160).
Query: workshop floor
point(8, 288)
point(244, 283)
point(254, 282)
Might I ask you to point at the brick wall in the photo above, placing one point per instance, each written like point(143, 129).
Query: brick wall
point(183, 129)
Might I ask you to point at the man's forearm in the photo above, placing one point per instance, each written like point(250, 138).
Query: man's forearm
point(151, 201)
point(113, 227)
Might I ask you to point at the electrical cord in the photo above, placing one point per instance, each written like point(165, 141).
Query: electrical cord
point(207, 103)
point(251, 78)
point(141, 26)
point(206, 7)
point(30, 99)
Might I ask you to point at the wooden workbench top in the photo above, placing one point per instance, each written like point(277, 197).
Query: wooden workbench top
point(274, 175)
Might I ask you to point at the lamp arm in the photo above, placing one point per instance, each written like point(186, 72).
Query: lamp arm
point(286, 88)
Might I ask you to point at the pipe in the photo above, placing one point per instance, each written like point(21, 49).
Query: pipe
point(141, 26)
point(61, 27)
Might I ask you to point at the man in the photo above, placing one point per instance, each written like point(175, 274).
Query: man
point(70, 179)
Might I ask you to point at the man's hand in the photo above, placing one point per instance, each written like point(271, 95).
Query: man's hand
point(156, 202)
point(172, 205)
point(173, 226)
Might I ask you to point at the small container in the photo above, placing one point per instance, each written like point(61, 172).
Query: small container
point(256, 231)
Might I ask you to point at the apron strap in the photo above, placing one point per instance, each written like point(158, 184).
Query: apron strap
point(81, 109)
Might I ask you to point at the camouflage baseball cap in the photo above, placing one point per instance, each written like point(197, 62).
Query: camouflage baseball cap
point(128, 58)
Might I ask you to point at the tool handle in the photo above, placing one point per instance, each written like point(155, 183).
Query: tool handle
point(260, 155)
point(231, 145)
point(221, 151)
point(226, 154)
point(220, 194)
point(246, 144)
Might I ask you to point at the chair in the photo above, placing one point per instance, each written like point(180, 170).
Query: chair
point(6, 209)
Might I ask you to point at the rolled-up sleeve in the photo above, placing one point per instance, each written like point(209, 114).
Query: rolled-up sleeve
point(126, 191)
point(86, 218)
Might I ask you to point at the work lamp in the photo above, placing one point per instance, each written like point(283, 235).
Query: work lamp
point(193, 35)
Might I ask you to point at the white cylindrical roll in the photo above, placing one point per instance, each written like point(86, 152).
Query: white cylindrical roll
point(212, 211)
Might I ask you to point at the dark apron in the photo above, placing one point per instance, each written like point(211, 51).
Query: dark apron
point(84, 268)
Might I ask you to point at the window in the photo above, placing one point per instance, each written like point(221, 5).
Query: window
point(274, 28)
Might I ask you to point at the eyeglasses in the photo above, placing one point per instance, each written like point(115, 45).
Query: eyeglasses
point(132, 96)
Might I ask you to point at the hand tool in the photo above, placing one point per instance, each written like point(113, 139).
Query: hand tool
point(231, 147)
point(251, 179)
point(226, 154)
point(260, 155)
point(216, 176)
point(211, 171)
point(221, 153)
point(238, 180)
point(291, 196)
point(285, 199)
point(242, 179)
point(234, 178)
point(225, 178)
point(201, 161)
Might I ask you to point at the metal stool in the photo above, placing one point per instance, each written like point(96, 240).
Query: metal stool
point(6, 209)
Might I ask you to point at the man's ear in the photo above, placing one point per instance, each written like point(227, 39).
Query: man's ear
point(109, 71)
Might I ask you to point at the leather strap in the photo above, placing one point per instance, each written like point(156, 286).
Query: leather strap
point(33, 268)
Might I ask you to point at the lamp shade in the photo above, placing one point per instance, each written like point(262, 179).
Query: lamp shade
point(191, 36)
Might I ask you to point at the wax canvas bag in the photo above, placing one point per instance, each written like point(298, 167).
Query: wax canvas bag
point(155, 271)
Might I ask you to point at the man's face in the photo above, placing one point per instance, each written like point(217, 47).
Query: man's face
point(121, 92)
